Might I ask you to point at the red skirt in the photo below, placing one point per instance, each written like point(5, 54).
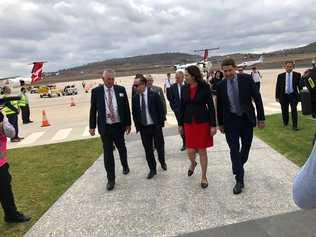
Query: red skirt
point(198, 135)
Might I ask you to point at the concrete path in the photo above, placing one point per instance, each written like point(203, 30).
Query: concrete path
point(171, 204)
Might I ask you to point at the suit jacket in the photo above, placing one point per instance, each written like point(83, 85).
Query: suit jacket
point(155, 107)
point(159, 90)
point(281, 82)
point(98, 110)
point(247, 92)
point(200, 108)
point(174, 99)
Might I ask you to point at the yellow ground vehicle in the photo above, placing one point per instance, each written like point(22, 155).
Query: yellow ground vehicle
point(49, 91)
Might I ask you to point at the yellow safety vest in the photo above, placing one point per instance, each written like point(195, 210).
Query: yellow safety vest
point(7, 111)
point(22, 101)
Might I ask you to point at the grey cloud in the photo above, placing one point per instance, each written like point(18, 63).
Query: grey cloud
point(73, 32)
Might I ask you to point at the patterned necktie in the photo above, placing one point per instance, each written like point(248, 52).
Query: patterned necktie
point(110, 105)
point(143, 111)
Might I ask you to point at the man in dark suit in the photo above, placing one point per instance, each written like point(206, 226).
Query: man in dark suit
point(287, 93)
point(110, 110)
point(174, 98)
point(236, 116)
point(158, 90)
point(149, 118)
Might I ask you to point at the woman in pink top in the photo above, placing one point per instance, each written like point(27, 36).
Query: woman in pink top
point(11, 215)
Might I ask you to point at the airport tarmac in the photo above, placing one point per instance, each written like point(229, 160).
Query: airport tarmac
point(72, 123)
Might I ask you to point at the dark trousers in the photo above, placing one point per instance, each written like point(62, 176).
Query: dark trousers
point(13, 119)
point(313, 102)
point(153, 135)
point(291, 100)
point(239, 128)
point(113, 134)
point(177, 114)
point(25, 113)
point(258, 85)
point(6, 194)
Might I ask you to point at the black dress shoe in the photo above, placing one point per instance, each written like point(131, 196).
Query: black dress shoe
point(17, 218)
point(183, 148)
point(191, 172)
point(238, 188)
point(110, 185)
point(151, 174)
point(164, 166)
point(125, 171)
point(295, 129)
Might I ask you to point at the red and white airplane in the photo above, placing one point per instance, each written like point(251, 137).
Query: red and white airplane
point(204, 65)
point(17, 81)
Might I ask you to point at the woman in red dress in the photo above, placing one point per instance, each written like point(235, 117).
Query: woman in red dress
point(197, 119)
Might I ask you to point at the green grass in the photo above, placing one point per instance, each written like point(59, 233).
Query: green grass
point(296, 146)
point(42, 174)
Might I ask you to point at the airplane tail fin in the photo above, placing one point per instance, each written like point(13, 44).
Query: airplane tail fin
point(37, 70)
point(205, 55)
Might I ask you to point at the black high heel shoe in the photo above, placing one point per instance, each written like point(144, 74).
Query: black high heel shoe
point(190, 172)
point(204, 185)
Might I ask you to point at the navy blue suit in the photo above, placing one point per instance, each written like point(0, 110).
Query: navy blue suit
point(239, 127)
point(151, 134)
point(288, 99)
point(175, 103)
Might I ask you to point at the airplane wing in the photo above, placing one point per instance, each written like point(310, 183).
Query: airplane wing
point(8, 78)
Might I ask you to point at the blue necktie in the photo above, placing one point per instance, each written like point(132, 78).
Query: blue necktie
point(235, 95)
point(289, 81)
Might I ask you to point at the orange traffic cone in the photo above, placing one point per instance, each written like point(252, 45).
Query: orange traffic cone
point(72, 102)
point(44, 120)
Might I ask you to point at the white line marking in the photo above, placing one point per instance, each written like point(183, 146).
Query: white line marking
point(62, 134)
point(32, 138)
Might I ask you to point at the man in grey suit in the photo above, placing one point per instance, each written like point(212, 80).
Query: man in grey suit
point(158, 90)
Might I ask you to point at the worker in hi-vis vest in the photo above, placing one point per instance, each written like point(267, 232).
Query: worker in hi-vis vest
point(24, 106)
point(11, 110)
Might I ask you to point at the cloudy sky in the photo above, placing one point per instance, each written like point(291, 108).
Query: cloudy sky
point(74, 32)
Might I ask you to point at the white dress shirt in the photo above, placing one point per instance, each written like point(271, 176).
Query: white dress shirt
point(148, 117)
point(115, 107)
point(179, 89)
point(256, 77)
point(289, 79)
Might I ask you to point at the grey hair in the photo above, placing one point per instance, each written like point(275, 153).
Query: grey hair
point(111, 71)
point(180, 72)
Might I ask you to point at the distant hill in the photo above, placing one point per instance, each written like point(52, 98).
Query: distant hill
point(154, 63)
point(310, 48)
point(163, 63)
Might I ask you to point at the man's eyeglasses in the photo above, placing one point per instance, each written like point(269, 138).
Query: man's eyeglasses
point(135, 86)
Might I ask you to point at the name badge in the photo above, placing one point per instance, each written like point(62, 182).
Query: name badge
point(121, 94)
